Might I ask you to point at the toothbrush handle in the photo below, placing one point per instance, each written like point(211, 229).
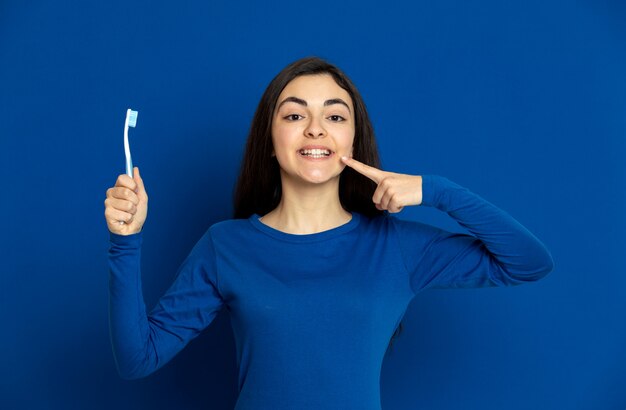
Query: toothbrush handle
point(129, 172)
point(129, 160)
point(129, 166)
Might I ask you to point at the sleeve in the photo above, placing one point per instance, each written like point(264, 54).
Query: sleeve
point(499, 251)
point(142, 343)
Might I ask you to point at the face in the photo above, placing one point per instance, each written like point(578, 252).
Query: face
point(312, 128)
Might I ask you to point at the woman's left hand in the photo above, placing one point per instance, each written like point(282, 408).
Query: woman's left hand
point(394, 191)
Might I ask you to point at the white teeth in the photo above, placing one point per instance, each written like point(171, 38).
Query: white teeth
point(315, 153)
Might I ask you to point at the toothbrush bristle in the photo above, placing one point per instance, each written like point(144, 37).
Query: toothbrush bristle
point(132, 118)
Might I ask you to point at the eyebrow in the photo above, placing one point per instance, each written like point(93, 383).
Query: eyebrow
point(336, 101)
point(304, 103)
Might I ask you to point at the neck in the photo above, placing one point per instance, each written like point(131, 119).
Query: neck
point(307, 208)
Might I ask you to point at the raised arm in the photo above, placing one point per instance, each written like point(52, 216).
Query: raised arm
point(144, 342)
point(499, 251)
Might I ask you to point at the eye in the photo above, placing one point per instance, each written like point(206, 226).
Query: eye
point(293, 117)
point(336, 118)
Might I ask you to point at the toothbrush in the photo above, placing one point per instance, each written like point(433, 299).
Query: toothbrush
point(131, 121)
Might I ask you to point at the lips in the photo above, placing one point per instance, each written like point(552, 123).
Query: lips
point(315, 151)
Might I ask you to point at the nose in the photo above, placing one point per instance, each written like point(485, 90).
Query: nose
point(315, 129)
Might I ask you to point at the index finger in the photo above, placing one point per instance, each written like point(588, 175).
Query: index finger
point(127, 182)
point(372, 173)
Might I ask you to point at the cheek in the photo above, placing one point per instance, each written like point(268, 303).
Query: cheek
point(280, 148)
point(278, 140)
point(346, 141)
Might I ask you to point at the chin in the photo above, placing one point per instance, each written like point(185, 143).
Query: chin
point(315, 176)
point(319, 179)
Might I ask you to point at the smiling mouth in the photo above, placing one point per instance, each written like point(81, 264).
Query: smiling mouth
point(315, 153)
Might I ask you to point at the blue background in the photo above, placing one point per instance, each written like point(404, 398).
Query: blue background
point(522, 102)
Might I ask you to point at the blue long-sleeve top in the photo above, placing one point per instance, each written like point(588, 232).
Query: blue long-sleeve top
point(313, 314)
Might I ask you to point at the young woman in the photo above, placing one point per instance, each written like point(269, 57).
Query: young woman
point(315, 272)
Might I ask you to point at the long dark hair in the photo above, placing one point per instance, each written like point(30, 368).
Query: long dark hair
point(259, 190)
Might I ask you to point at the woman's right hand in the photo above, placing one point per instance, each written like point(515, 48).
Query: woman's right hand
point(127, 201)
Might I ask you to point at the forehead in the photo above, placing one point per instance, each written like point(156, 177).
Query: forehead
point(315, 88)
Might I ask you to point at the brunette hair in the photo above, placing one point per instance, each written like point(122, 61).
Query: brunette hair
point(259, 190)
